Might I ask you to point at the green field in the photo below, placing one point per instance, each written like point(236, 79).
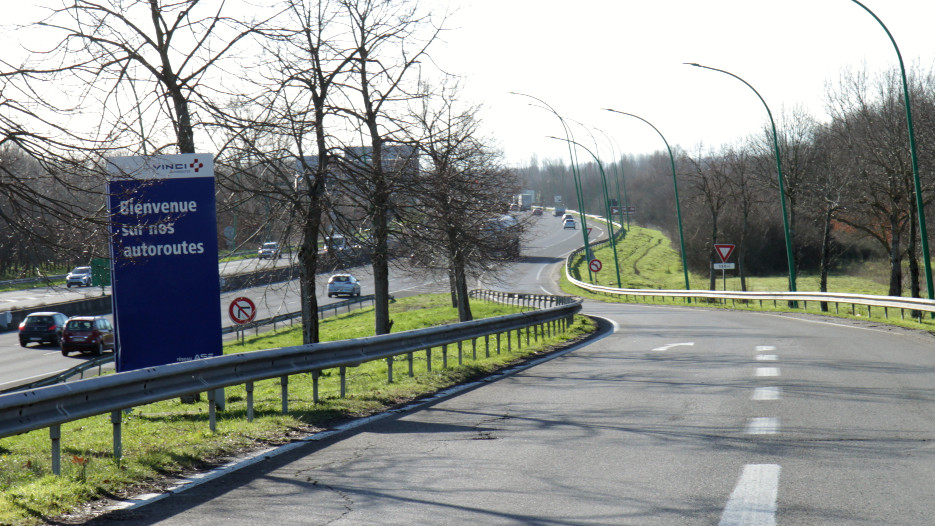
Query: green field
point(170, 437)
point(647, 260)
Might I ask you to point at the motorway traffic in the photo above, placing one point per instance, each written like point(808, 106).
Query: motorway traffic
point(671, 415)
point(20, 365)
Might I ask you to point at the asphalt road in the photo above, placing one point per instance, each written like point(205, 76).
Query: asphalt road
point(20, 365)
point(672, 416)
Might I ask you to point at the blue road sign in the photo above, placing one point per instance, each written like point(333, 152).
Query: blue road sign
point(164, 253)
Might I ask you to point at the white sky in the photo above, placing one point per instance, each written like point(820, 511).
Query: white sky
point(584, 55)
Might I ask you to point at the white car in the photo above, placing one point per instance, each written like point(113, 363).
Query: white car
point(79, 277)
point(343, 285)
point(569, 223)
point(269, 250)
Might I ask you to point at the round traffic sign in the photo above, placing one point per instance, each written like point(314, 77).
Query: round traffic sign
point(595, 265)
point(242, 310)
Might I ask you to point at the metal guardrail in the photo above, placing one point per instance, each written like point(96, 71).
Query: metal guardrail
point(917, 305)
point(322, 309)
point(50, 407)
point(64, 376)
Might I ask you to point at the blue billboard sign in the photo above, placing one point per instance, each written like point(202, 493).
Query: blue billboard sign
point(164, 253)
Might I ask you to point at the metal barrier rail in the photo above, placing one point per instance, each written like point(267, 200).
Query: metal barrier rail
point(322, 309)
point(917, 305)
point(50, 407)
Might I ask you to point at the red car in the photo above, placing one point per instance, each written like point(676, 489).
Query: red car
point(93, 334)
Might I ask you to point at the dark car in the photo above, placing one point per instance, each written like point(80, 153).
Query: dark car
point(93, 334)
point(42, 327)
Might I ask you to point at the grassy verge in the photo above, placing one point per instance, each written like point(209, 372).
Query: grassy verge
point(169, 437)
point(647, 261)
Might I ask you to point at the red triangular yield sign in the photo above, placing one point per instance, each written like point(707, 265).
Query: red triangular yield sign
point(724, 251)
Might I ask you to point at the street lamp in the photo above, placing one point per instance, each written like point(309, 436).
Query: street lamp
point(782, 187)
point(607, 214)
point(675, 182)
point(574, 173)
point(920, 207)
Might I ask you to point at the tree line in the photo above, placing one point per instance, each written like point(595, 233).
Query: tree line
point(848, 185)
point(325, 117)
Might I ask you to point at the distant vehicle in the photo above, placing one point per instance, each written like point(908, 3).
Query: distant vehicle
point(569, 223)
point(79, 276)
point(567, 216)
point(524, 201)
point(559, 210)
point(537, 211)
point(343, 285)
point(336, 243)
point(88, 334)
point(42, 327)
point(514, 207)
point(269, 250)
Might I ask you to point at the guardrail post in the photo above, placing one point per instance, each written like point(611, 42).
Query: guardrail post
point(428, 359)
point(212, 411)
point(284, 385)
point(444, 356)
point(116, 419)
point(55, 434)
point(509, 341)
point(474, 348)
point(460, 354)
point(498, 343)
point(519, 339)
point(487, 345)
point(343, 381)
point(527, 336)
point(315, 375)
point(389, 370)
point(249, 388)
point(409, 358)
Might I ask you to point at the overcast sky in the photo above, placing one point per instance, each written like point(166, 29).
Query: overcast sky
point(586, 55)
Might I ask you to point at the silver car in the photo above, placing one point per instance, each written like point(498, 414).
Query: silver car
point(343, 285)
point(79, 277)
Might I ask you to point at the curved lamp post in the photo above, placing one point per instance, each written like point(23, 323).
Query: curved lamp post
point(782, 186)
point(574, 173)
point(678, 208)
point(920, 207)
point(610, 219)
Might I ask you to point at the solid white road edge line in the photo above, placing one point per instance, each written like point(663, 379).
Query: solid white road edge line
point(753, 501)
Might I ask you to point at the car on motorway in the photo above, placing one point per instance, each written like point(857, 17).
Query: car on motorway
point(567, 217)
point(537, 211)
point(42, 327)
point(79, 277)
point(87, 334)
point(269, 250)
point(343, 285)
point(568, 223)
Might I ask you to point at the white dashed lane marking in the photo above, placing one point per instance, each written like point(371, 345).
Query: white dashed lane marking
point(762, 425)
point(753, 501)
point(767, 371)
point(767, 393)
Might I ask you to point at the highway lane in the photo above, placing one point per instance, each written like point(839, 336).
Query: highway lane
point(675, 416)
point(19, 366)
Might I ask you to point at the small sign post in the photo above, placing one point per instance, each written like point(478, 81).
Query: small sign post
point(242, 311)
point(724, 250)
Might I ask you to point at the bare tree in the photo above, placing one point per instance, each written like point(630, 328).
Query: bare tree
point(870, 126)
point(391, 38)
point(451, 217)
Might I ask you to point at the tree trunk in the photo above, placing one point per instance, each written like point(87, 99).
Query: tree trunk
point(896, 267)
point(824, 261)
